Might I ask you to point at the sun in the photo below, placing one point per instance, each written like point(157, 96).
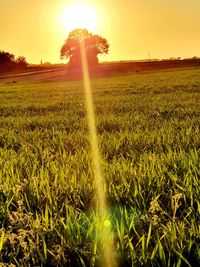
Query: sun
point(79, 15)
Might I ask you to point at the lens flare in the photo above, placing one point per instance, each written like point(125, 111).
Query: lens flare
point(103, 228)
point(107, 223)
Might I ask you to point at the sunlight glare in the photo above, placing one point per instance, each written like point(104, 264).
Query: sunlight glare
point(79, 15)
point(105, 231)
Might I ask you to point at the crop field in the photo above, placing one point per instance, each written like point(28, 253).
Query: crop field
point(148, 127)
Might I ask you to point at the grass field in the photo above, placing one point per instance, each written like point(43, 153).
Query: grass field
point(148, 128)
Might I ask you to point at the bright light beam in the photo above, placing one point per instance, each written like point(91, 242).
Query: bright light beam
point(103, 228)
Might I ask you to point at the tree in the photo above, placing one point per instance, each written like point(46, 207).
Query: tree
point(6, 60)
point(94, 45)
point(21, 62)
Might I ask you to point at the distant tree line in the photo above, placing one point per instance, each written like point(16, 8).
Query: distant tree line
point(9, 62)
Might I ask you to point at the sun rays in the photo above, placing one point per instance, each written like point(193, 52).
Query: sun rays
point(103, 226)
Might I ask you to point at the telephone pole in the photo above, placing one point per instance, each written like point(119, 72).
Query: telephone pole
point(149, 54)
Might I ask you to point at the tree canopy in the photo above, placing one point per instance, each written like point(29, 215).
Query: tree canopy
point(94, 45)
point(8, 62)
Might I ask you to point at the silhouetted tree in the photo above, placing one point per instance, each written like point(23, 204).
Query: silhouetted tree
point(94, 45)
point(8, 62)
point(21, 62)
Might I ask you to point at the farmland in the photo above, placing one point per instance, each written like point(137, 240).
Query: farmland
point(148, 127)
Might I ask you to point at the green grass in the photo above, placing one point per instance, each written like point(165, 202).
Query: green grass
point(149, 136)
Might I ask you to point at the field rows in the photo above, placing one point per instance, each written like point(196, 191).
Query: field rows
point(148, 129)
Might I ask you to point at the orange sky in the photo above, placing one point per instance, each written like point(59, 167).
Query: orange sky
point(165, 28)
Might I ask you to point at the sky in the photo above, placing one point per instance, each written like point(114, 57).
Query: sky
point(133, 28)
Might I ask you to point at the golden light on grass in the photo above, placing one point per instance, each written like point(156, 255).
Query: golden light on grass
point(103, 225)
point(79, 15)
